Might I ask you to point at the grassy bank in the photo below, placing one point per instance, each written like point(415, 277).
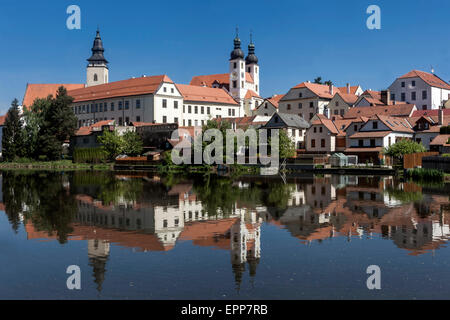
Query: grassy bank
point(54, 165)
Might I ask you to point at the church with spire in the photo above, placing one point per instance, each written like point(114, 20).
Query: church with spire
point(242, 80)
point(97, 69)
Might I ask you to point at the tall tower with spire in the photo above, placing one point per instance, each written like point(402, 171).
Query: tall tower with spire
point(97, 70)
point(237, 71)
point(251, 62)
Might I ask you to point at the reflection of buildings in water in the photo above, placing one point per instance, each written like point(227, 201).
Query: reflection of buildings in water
point(98, 253)
point(245, 239)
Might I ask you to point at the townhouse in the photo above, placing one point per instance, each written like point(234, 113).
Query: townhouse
point(269, 106)
point(294, 126)
point(426, 90)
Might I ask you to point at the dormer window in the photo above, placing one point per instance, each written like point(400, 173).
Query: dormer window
point(374, 125)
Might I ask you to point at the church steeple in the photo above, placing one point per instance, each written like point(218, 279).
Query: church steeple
point(251, 58)
point(97, 69)
point(97, 51)
point(237, 53)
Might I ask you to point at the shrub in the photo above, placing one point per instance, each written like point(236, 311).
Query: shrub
point(89, 155)
point(445, 130)
point(425, 174)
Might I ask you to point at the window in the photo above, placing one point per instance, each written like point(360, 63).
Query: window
point(355, 128)
point(403, 96)
point(300, 95)
point(403, 84)
point(289, 107)
point(315, 129)
point(248, 69)
point(300, 105)
point(311, 104)
point(112, 106)
point(120, 121)
point(138, 104)
point(165, 89)
point(101, 107)
point(175, 104)
point(195, 109)
point(413, 96)
point(393, 96)
point(389, 141)
point(361, 143)
point(164, 119)
point(171, 90)
point(234, 84)
point(374, 125)
point(424, 95)
point(138, 119)
point(96, 107)
point(106, 107)
point(372, 143)
point(234, 65)
point(322, 143)
point(313, 143)
point(413, 83)
point(202, 110)
point(208, 111)
point(189, 123)
point(127, 105)
point(95, 77)
point(175, 120)
point(127, 120)
point(320, 129)
point(336, 112)
point(164, 103)
point(424, 107)
point(189, 109)
point(120, 105)
point(337, 104)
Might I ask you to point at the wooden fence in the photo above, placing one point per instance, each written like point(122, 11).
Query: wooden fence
point(414, 160)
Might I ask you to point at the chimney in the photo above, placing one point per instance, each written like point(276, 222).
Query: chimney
point(331, 89)
point(348, 88)
point(386, 97)
point(441, 117)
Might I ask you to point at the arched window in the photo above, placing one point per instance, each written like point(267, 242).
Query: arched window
point(95, 77)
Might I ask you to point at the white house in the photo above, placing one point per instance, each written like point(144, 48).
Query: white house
point(269, 106)
point(425, 90)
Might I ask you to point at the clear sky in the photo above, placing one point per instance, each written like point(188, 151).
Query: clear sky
point(295, 40)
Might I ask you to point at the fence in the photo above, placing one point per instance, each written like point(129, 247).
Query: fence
point(414, 160)
point(439, 163)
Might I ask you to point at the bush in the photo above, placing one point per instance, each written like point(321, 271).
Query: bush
point(89, 155)
point(425, 174)
point(445, 130)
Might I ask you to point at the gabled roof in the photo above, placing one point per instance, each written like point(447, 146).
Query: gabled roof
point(43, 90)
point(435, 112)
point(400, 110)
point(328, 123)
point(372, 94)
point(205, 94)
point(396, 124)
point(221, 78)
point(429, 78)
point(349, 98)
point(353, 89)
point(291, 120)
point(251, 94)
point(275, 99)
point(320, 90)
point(441, 140)
point(123, 88)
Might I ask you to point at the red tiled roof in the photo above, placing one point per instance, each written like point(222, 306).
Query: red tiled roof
point(353, 89)
point(429, 78)
point(441, 140)
point(348, 98)
point(372, 94)
point(435, 112)
point(145, 124)
point(396, 124)
point(399, 110)
point(129, 87)
point(275, 99)
point(251, 94)
point(370, 134)
point(323, 120)
point(221, 78)
point(85, 131)
point(205, 94)
point(321, 90)
point(376, 149)
point(43, 90)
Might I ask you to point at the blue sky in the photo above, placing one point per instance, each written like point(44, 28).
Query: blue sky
point(295, 40)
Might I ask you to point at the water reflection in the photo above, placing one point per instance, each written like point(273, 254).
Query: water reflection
point(150, 213)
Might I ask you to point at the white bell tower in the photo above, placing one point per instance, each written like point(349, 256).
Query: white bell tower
point(97, 70)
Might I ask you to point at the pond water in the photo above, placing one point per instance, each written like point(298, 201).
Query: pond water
point(142, 236)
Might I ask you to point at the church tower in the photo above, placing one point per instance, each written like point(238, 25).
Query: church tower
point(237, 71)
point(97, 69)
point(252, 64)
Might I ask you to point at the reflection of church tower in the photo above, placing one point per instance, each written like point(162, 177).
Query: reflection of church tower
point(245, 245)
point(98, 253)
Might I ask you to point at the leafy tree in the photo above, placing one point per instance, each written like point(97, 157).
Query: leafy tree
point(286, 145)
point(12, 140)
point(318, 80)
point(402, 147)
point(112, 143)
point(328, 83)
point(132, 143)
point(32, 119)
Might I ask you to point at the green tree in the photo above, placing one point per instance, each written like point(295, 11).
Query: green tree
point(318, 80)
point(402, 147)
point(33, 119)
point(12, 139)
point(328, 82)
point(132, 143)
point(112, 143)
point(286, 145)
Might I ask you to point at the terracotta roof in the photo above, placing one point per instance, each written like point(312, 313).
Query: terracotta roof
point(275, 99)
point(251, 94)
point(43, 90)
point(431, 113)
point(85, 131)
point(323, 120)
point(370, 134)
point(205, 94)
point(396, 124)
point(221, 78)
point(146, 124)
point(129, 87)
point(353, 89)
point(400, 110)
point(321, 90)
point(372, 94)
point(348, 98)
point(377, 149)
point(429, 78)
point(441, 140)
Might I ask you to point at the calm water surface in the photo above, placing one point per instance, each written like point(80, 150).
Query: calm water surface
point(139, 236)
